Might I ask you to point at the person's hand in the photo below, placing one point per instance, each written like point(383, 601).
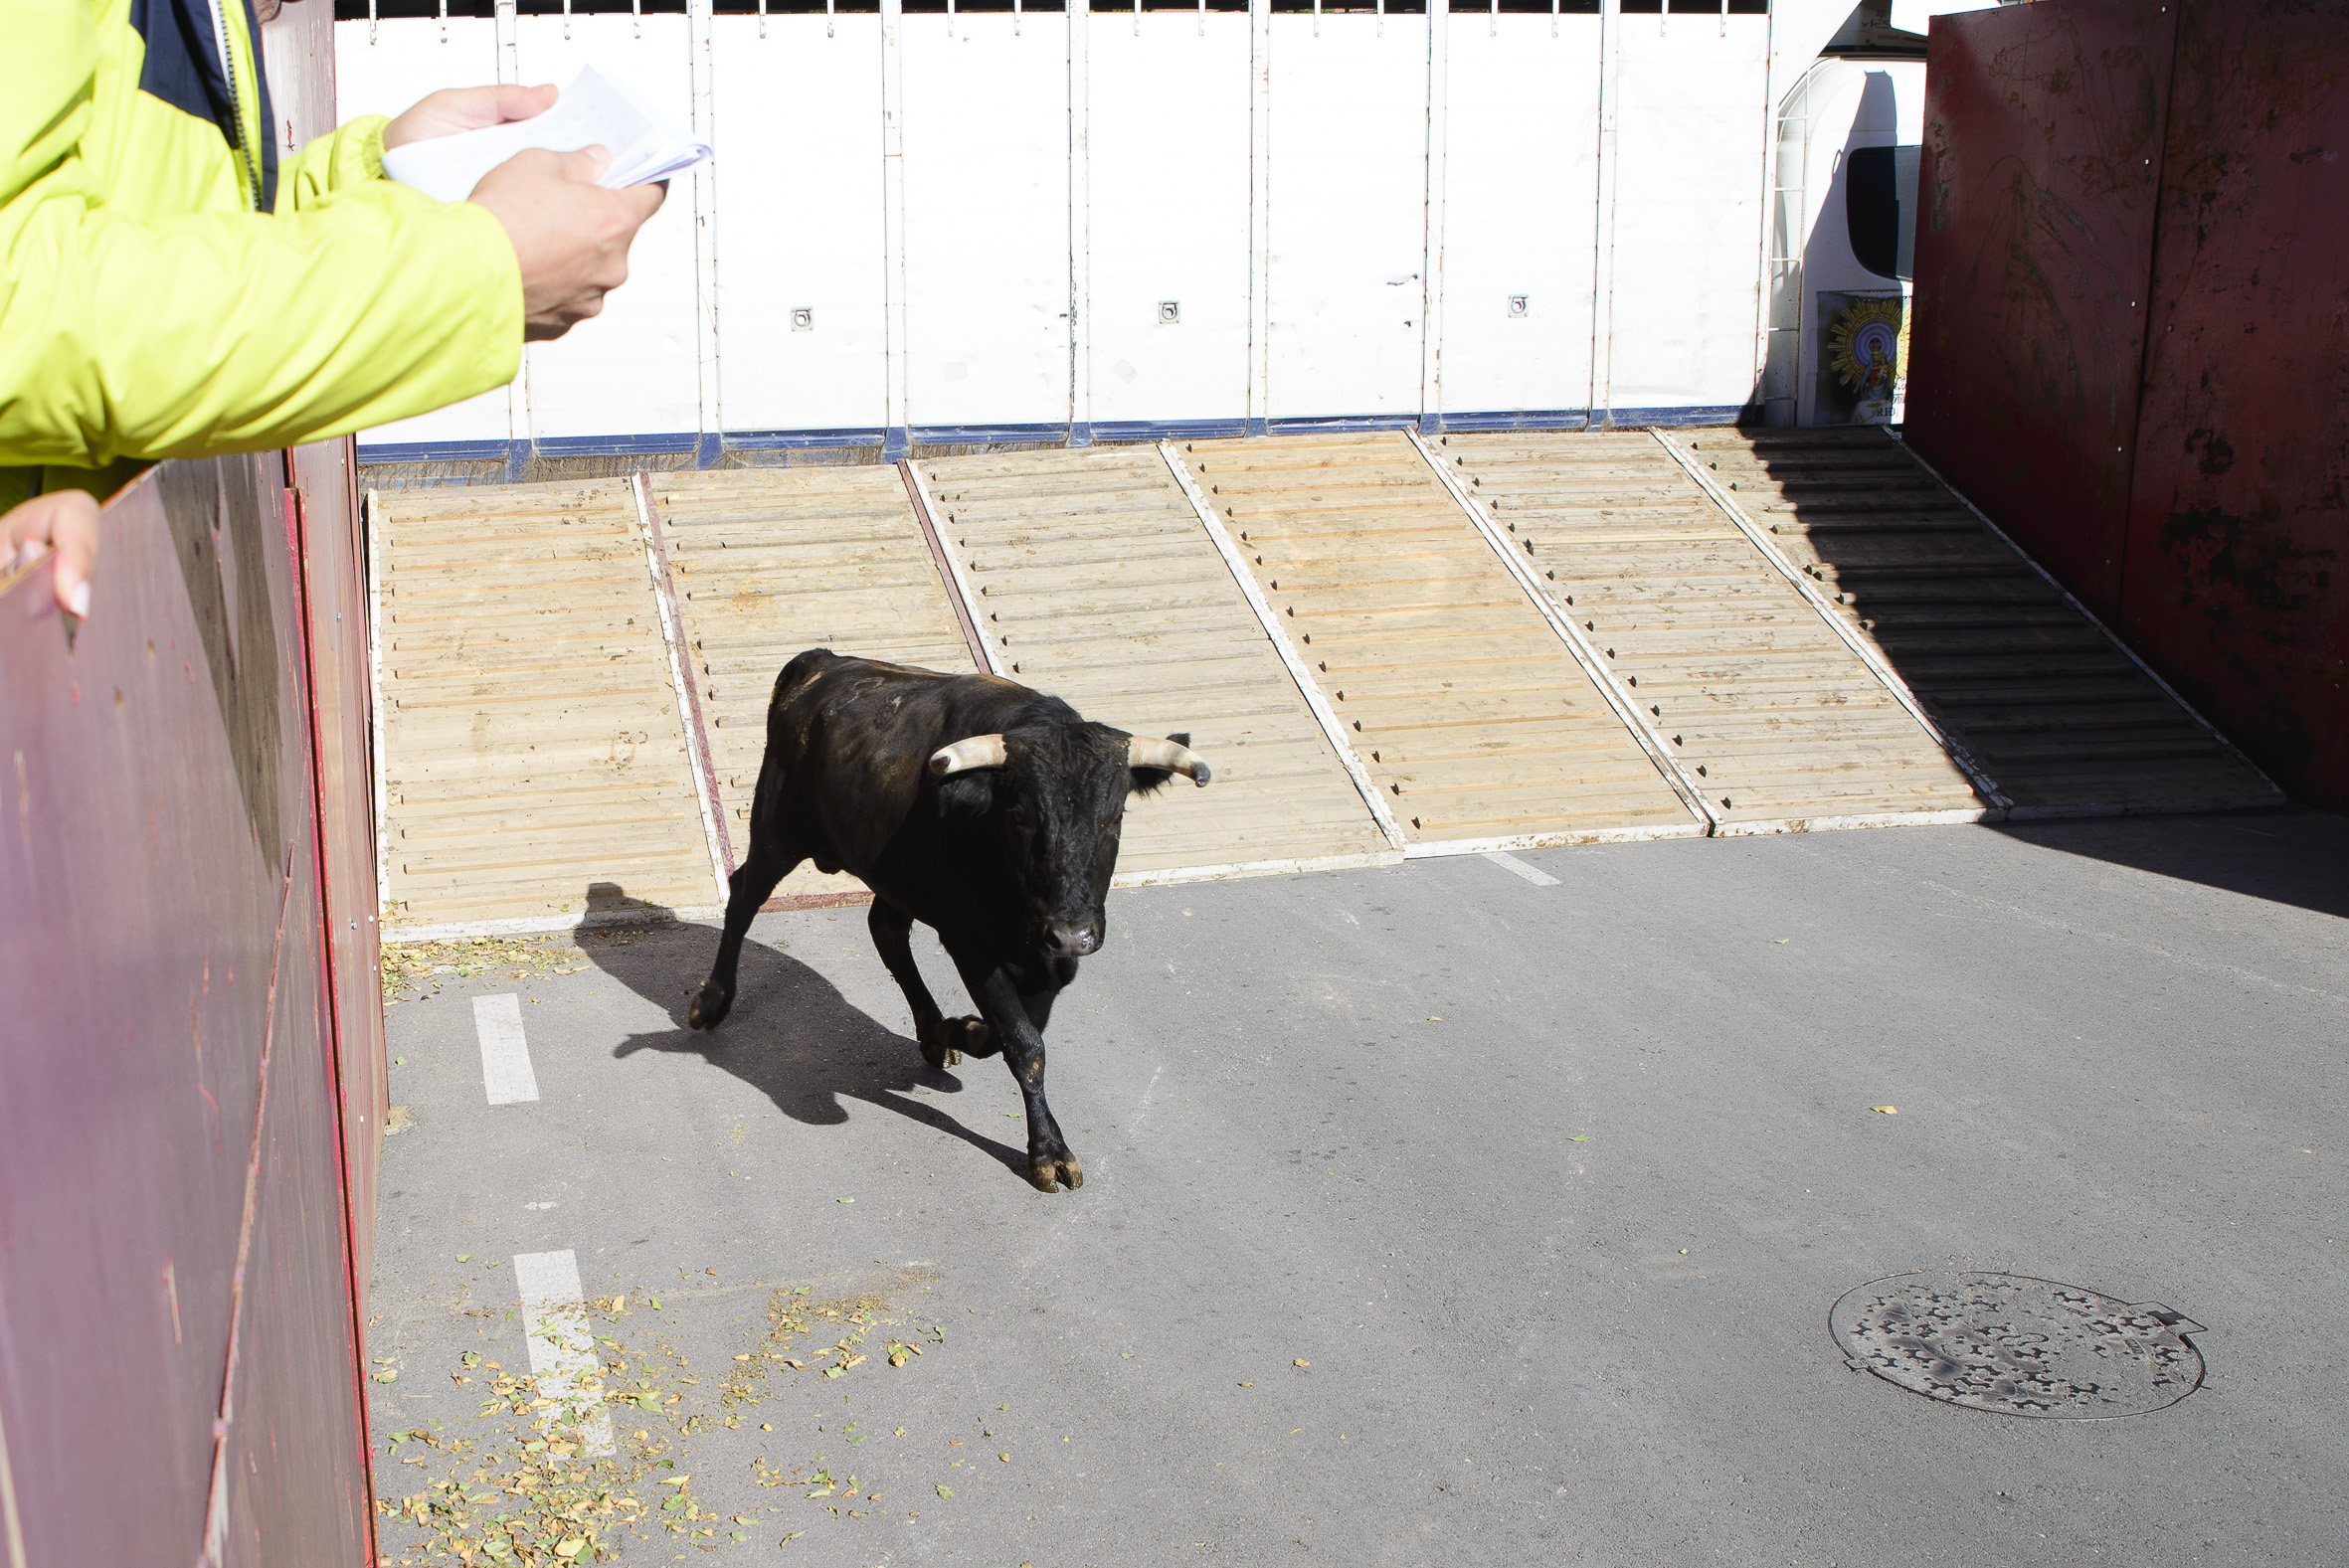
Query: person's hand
point(64, 521)
point(570, 234)
point(455, 110)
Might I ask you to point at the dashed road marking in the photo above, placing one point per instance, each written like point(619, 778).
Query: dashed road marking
point(1511, 863)
point(562, 1349)
point(505, 1055)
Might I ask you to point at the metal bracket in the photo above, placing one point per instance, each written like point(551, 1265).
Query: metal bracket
point(371, 519)
point(702, 774)
point(958, 587)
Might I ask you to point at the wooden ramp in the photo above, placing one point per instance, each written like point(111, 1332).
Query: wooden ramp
point(532, 764)
point(1092, 578)
point(2054, 713)
point(1769, 715)
point(770, 562)
point(1463, 703)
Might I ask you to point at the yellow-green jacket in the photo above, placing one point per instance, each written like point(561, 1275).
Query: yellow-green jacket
point(168, 290)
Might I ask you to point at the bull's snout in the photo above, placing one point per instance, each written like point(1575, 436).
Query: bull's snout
point(1060, 939)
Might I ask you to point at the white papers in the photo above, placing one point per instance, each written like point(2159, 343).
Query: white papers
point(645, 144)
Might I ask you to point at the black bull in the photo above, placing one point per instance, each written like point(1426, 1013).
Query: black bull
point(988, 812)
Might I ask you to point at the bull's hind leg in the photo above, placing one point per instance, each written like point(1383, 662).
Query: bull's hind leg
point(1017, 1016)
point(942, 1040)
point(753, 881)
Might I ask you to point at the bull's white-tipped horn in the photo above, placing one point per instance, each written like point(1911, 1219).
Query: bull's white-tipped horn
point(980, 751)
point(1143, 751)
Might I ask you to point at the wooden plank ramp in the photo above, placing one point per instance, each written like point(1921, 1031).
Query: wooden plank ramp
point(1092, 578)
point(766, 562)
point(2058, 715)
point(535, 767)
point(1758, 700)
point(1460, 700)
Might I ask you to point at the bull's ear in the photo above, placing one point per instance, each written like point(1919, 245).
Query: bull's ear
point(970, 793)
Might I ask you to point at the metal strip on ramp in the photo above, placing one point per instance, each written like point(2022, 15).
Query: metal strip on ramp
point(1091, 578)
point(767, 563)
point(534, 765)
point(1760, 703)
point(1460, 700)
point(2061, 717)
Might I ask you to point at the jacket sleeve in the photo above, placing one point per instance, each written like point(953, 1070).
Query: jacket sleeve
point(344, 159)
point(360, 302)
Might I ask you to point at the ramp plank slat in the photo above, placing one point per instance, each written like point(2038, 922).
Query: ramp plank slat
point(761, 574)
point(1764, 706)
point(1163, 643)
point(534, 760)
point(1903, 560)
point(1530, 747)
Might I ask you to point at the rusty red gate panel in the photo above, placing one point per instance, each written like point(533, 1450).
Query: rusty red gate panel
point(159, 935)
point(2237, 582)
point(333, 557)
point(289, 1487)
point(298, 50)
point(2037, 183)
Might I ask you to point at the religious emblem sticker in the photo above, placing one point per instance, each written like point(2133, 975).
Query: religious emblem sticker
point(1865, 344)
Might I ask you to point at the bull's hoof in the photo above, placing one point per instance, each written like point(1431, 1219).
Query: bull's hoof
point(1050, 1173)
point(943, 1046)
point(709, 1006)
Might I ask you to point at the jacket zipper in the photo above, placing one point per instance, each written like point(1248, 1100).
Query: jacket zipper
point(227, 66)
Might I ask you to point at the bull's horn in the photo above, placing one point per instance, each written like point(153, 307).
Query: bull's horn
point(980, 751)
point(1143, 751)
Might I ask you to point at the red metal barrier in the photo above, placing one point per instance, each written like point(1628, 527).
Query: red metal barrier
point(2238, 516)
point(298, 48)
point(192, 1092)
point(2130, 347)
point(333, 561)
point(2037, 183)
point(179, 1363)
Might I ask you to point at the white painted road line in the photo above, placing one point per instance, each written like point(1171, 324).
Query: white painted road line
point(505, 1055)
point(562, 1350)
point(1499, 857)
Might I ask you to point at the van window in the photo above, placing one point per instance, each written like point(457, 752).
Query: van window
point(1880, 208)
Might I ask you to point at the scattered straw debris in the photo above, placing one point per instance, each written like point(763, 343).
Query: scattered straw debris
point(413, 971)
point(792, 1315)
point(523, 1493)
point(526, 1498)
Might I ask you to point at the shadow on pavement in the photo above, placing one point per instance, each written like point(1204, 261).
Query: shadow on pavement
point(791, 1035)
point(2291, 856)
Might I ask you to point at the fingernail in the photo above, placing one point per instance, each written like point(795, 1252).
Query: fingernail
point(28, 551)
point(79, 601)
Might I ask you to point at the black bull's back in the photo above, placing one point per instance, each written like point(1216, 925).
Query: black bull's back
point(848, 747)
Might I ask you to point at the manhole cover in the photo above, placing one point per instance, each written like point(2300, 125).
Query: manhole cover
point(2018, 1345)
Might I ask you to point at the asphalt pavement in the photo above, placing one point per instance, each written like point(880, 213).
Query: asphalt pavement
point(1431, 1216)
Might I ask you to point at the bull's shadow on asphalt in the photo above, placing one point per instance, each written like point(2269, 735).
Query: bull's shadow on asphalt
point(791, 1035)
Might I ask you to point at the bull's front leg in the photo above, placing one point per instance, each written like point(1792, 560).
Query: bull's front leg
point(942, 1040)
point(1018, 1022)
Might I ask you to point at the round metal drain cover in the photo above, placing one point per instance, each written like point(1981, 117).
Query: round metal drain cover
point(2018, 1345)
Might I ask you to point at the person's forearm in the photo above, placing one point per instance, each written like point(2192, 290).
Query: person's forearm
point(198, 336)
